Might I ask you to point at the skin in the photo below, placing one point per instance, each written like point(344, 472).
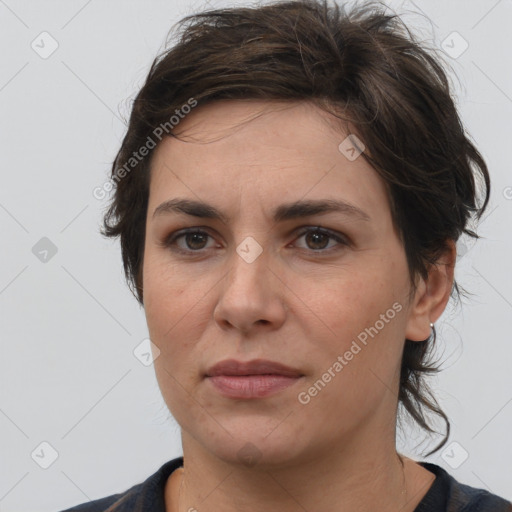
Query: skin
point(301, 302)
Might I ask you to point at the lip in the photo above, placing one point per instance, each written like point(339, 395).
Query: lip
point(251, 386)
point(252, 379)
point(232, 367)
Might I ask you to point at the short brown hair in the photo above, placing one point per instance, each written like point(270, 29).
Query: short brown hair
point(362, 65)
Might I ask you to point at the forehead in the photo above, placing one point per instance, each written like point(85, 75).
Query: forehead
point(273, 151)
point(243, 118)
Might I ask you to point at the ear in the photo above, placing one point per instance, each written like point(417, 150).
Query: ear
point(431, 296)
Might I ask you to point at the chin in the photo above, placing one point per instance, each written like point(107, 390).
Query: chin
point(254, 444)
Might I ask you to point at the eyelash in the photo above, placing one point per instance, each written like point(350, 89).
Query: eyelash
point(170, 241)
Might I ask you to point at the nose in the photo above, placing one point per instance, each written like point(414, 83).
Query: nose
point(251, 295)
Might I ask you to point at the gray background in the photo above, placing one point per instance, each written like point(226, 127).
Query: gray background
point(69, 325)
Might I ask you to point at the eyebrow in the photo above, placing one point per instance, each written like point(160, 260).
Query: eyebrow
point(287, 211)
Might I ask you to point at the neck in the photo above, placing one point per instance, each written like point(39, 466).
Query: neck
point(359, 480)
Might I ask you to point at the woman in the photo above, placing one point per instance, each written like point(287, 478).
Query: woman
point(288, 197)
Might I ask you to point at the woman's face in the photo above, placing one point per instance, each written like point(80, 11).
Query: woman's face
point(332, 305)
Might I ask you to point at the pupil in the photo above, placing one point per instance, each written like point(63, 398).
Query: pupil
point(318, 235)
point(194, 237)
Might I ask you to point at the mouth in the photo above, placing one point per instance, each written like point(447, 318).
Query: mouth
point(253, 379)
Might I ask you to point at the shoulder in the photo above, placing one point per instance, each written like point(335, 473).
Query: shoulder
point(100, 505)
point(142, 497)
point(473, 499)
point(449, 495)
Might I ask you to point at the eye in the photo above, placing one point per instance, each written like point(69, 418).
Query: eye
point(317, 238)
point(193, 239)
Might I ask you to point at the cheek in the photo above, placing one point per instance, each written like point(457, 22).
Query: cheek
point(176, 312)
point(359, 315)
point(171, 311)
point(161, 283)
point(342, 305)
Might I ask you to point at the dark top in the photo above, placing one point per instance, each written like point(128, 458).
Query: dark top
point(445, 495)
